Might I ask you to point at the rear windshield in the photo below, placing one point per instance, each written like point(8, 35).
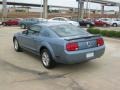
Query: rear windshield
point(68, 30)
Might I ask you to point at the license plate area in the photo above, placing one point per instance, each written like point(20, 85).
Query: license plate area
point(90, 55)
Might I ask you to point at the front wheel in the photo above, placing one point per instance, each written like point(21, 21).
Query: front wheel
point(47, 59)
point(4, 24)
point(16, 46)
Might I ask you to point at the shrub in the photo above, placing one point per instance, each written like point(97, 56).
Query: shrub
point(105, 32)
point(94, 31)
point(111, 34)
point(117, 34)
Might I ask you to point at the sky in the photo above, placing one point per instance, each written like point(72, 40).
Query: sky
point(69, 3)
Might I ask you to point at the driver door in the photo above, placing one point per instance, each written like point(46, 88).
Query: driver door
point(29, 40)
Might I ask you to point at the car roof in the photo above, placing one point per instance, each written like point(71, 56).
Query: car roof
point(51, 24)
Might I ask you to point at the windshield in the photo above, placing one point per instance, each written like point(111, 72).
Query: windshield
point(67, 30)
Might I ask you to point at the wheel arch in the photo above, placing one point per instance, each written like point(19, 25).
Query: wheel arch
point(115, 24)
point(49, 48)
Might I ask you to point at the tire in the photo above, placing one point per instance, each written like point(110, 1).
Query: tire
point(114, 25)
point(47, 59)
point(4, 24)
point(23, 26)
point(88, 25)
point(17, 46)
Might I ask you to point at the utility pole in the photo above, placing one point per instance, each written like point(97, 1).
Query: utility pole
point(119, 12)
point(4, 9)
point(45, 8)
point(78, 9)
point(103, 9)
point(87, 10)
point(41, 12)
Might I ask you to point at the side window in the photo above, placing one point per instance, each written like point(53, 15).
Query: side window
point(56, 19)
point(61, 19)
point(34, 30)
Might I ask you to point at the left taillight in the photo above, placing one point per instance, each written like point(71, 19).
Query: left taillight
point(72, 46)
point(100, 42)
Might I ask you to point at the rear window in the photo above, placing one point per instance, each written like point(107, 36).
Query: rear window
point(68, 30)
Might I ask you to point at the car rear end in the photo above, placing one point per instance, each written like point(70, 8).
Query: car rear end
point(77, 50)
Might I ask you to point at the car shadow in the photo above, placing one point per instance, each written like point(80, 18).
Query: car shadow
point(86, 65)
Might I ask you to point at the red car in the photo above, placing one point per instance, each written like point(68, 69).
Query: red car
point(101, 23)
point(11, 22)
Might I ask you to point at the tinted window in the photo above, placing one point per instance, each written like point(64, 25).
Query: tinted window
point(67, 30)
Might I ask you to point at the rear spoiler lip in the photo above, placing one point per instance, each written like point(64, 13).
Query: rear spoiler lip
point(98, 35)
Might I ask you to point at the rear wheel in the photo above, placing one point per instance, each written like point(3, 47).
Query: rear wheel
point(16, 46)
point(47, 59)
point(114, 25)
point(4, 24)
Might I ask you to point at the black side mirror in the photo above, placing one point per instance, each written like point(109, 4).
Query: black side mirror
point(25, 32)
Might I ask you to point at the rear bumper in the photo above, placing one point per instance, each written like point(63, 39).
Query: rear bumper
point(80, 56)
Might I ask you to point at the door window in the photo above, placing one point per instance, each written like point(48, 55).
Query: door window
point(34, 30)
point(56, 19)
point(61, 19)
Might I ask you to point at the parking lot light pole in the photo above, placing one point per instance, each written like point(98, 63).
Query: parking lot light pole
point(102, 11)
point(4, 9)
point(41, 12)
point(45, 8)
point(80, 8)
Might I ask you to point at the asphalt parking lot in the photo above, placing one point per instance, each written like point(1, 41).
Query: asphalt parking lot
point(24, 71)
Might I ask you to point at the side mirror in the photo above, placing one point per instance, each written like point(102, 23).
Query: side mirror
point(25, 32)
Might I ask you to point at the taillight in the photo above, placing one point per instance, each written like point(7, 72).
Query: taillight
point(72, 46)
point(100, 42)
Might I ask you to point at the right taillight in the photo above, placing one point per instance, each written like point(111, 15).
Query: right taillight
point(100, 42)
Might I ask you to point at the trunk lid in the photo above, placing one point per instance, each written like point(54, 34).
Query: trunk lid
point(85, 41)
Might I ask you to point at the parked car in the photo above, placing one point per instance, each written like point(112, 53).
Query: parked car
point(0, 23)
point(102, 23)
point(25, 23)
point(11, 22)
point(30, 21)
point(86, 23)
point(112, 22)
point(63, 20)
point(42, 19)
point(61, 43)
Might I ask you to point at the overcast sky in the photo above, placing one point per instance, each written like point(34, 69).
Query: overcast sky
point(70, 3)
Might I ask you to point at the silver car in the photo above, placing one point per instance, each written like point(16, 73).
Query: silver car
point(61, 43)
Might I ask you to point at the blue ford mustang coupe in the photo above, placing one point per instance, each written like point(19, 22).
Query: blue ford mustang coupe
point(59, 42)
